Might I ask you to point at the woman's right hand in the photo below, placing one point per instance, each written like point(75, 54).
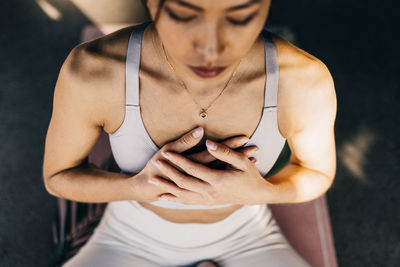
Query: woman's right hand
point(147, 192)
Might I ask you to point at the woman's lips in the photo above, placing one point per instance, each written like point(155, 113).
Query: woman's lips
point(207, 72)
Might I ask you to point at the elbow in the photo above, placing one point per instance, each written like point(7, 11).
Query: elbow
point(51, 191)
point(48, 185)
point(50, 176)
point(328, 182)
point(318, 188)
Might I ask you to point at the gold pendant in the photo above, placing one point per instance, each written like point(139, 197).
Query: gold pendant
point(203, 114)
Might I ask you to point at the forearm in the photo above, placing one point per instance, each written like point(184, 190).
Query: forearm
point(87, 183)
point(295, 184)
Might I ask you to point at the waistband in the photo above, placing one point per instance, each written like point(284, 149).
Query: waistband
point(131, 215)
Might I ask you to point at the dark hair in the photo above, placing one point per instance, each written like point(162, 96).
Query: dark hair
point(160, 5)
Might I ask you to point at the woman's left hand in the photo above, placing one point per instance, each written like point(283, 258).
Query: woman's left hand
point(241, 183)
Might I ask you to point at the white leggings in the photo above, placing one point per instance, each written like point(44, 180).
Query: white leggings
point(131, 235)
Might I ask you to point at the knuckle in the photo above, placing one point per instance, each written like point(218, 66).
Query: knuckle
point(225, 150)
point(179, 181)
point(191, 170)
point(186, 139)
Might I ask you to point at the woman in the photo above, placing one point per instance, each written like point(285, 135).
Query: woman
point(198, 63)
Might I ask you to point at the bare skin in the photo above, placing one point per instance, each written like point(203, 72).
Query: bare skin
point(98, 68)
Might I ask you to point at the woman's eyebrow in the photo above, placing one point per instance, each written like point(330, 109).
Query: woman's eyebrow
point(200, 9)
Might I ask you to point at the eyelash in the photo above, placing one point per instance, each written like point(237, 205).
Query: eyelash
point(234, 22)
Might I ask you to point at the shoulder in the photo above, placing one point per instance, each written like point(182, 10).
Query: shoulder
point(306, 86)
point(94, 72)
point(95, 59)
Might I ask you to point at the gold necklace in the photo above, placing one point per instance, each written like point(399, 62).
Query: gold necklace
point(203, 113)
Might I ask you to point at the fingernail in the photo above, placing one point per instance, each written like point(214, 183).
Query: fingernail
point(165, 155)
point(156, 162)
point(211, 144)
point(245, 139)
point(197, 132)
point(163, 199)
point(153, 182)
point(256, 150)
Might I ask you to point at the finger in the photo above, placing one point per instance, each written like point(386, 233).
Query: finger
point(195, 169)
point(187, 201)
point(236, 141)
point(180, 179)
point(249, 151)
point(168, 197)
point(187, 141)
point(173, 198)
point(202, 156)
point(222, 152)
point(205, 157)
point(254, 160)
point(167, 186)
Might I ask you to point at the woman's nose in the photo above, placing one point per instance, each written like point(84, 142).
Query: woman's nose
point(209, 45)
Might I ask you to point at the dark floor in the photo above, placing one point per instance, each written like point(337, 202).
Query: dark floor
point(358, 42)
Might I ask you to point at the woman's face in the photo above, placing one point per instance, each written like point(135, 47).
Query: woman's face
point(208, 33)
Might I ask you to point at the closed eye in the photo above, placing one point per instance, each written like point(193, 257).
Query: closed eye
point(244, 21)
point(177, 18)
point(241, 22)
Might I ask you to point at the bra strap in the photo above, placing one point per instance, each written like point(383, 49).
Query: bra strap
point(272, 70)
point(132, 64)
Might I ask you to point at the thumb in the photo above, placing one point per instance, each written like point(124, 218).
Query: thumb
point(187, 141)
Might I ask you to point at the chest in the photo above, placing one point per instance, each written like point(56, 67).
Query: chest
point(167, 116)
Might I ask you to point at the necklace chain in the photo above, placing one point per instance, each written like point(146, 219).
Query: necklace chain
point(203, 113)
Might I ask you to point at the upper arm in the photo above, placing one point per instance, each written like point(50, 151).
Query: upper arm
point(76, 120)
point(313, 142)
